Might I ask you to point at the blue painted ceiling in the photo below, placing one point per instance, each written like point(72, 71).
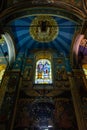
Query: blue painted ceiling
point(20, 29)
point(62, 43)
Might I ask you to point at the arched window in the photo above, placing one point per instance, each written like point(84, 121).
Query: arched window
point(43, 72)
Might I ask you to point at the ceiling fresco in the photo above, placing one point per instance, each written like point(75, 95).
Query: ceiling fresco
point(27, 30)
point(24, 40)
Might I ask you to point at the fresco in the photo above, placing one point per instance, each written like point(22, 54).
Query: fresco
point(62, 43)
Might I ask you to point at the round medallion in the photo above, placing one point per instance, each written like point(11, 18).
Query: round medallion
point(44, 29)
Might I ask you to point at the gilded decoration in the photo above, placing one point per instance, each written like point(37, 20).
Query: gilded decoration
point(2, 70)
point(43, 55)
point(84, 42)
point(44, 29)
point(84, 66)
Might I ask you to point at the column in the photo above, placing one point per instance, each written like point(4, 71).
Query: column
point(77, 102)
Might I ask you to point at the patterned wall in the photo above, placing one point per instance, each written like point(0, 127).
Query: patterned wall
point(64, 114)
point(60, 96)
point(8, 104)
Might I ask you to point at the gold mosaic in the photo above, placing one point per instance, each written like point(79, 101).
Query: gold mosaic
point(44, 29)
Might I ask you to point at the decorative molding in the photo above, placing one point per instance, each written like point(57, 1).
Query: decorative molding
point(57, 8)
point(85, 5)
point(11, 48)
point(76, 44)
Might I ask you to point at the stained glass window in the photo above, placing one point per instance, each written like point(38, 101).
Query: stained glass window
point(85, 69)
point(43, 74)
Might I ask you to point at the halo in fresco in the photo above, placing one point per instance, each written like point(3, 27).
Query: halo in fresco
point(44, 29)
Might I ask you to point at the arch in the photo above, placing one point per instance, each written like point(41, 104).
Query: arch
point(75, 48)
point(58, 8)
point(31, 8)
point(11, 48)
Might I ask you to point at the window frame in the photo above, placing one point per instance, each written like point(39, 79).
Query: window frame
point(51, 73)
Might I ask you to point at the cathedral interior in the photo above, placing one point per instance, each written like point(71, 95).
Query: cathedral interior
point(43, 64)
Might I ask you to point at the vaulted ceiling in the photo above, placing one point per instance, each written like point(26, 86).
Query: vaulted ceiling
point(23, 39)
point(19, 22)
